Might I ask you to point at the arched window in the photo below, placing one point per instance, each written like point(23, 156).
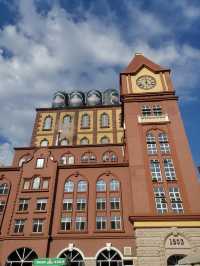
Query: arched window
point(23, 160)
point(109, 156)
point(109, 257)
point(84, 141)
point(36, 182)
point(114, 185)
point(64, 142)
point(67, 159)
point(164, 145)
point(21, 257)
point(85, 121)
point(44, 143)
point(173, 260)
point(104, 120)
point(82, 186)
point(88, 157)
point(69, 186)
point(100, 186)
point(74, 256)
point(4, 189)
point(67, 120)
point(105, 140)
point(47, 123)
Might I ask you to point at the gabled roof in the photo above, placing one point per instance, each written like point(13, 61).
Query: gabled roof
point(139, 61)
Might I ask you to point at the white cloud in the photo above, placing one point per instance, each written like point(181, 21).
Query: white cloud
point(56, 52)
point(6, 153)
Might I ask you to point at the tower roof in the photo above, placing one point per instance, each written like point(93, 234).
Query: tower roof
point(139, 61)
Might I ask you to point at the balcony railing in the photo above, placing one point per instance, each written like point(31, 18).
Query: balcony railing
point(163, 118)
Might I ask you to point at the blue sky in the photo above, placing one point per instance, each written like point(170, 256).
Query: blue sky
point(48, 45)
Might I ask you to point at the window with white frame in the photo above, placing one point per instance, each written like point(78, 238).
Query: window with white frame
point(2, 205)
point(109, 156)
point(26, 184)
point(100, 186)
point(146, 110)
point(40, 163)
point(155, 170)
point(175, 197)
point(67, 120)
point(66, 223)
point(114, 185)
point(67, 205)
point(80, 223)
point(82, 186)
point(4, 189)
point(115, 222)
point(38, 225)
point(104, 120)
point(159, 192)
point(88, 157)
point(170, 173)
point(23, 205)
point(19, 226)
point(114, 203)
point(151, 143)
point(81, 204)
point(69, 186)
point(41, 204)
point(85, 121)
point(47, 123)
point(157, 110)
point(101, 223)
point(67, 159)
point(164, 144)
point(101, 204)
point(36, 183)
point(161, 205)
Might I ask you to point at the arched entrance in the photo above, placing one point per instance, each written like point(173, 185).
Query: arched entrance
point(74, 256)
point(109, 258)
point(173, 260)
point(21, 257)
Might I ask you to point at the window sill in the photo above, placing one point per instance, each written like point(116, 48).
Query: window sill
point(72, 232)
point(37, 234)
point(42, 211)
point(22, 212)
point(110, 231)
point(34, 190)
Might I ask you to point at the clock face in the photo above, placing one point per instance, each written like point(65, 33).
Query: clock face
point(146, 82)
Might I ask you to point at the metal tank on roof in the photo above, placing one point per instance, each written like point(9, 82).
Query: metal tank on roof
point(76, 98)
point(94, 97)
point(111, 97)
point(59, 99)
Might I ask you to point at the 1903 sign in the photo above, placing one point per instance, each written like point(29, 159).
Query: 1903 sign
point(176, 242)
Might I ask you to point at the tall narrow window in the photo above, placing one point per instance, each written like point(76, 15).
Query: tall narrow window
point(41, 204)
point(81, 204)
point(169, 169)
point(38, 225)
point(104, 120)
point(155, 170)
point(67, 120)
point(40, 163)
point(114, 203)
point(67, 159)
point(100, 186)
point(85, 121)
point(151, 143)
point(114, 185)
point(23, 205)
point(100, 204)
point(69, 186)
point(36, 183)
point(164, 145)
point(47, 123)
point(160, 200)
point(176, 202)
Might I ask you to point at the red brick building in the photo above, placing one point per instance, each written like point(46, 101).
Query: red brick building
point(104, 182)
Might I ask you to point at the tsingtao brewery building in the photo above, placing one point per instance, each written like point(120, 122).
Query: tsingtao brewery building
point(107, 180)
